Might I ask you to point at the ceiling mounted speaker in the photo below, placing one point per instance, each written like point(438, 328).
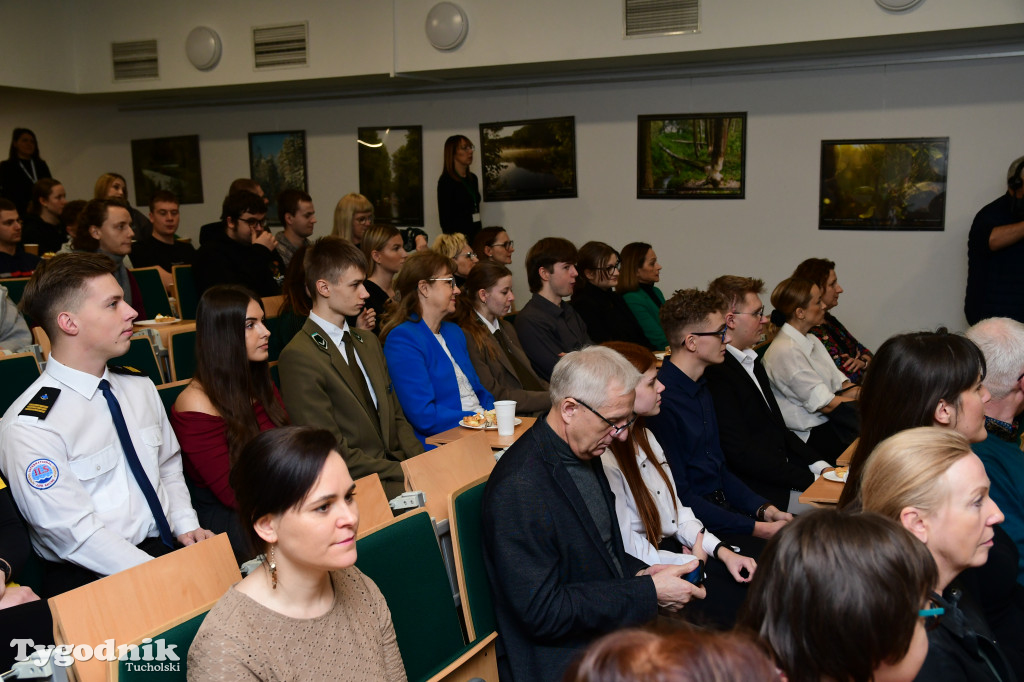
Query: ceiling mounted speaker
point(898, 5)
point(203, 48)
point(447, 26)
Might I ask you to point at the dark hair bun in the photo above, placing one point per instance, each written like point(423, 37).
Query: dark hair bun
point(777, 318)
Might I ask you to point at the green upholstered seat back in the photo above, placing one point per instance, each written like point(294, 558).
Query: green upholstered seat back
point(154, 296)
point(468, 524)
point(181, 636)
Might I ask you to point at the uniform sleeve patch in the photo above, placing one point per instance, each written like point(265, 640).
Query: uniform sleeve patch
point(42, 474)
point(41, 402)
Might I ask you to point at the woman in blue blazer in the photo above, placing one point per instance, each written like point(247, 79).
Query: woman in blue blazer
point(427, 357)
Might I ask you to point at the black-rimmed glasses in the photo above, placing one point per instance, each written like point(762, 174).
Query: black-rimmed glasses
point(505, 245)
point(720, 333)
point(254, 222)
point(612, 269)
point(616, 430)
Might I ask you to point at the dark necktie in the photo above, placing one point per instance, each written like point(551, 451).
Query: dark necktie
point(136, 466)
point(357, 373)
point(524, 374)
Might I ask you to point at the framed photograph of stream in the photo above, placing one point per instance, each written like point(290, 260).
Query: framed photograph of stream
point(533, 159)
point(168, 163)
point(391, 173)
point(691, 156)
point(886, 184)
point(278, 162)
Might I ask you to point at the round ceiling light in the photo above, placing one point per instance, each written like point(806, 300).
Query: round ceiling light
point(898, 5)
point(203, 48)
point(447, 26)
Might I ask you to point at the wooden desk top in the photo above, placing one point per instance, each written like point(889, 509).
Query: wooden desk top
point(822, 492)
point(844, 459)
point(496, 442)
point(165, 330)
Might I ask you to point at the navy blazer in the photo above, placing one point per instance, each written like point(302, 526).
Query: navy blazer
point(554, 584)
point(424, 378)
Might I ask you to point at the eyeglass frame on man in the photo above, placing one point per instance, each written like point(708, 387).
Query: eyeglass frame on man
point(616, 430)
point(721, 333)
point(759, 313)
point(253, 223)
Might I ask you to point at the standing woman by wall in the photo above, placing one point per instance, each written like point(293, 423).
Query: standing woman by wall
point(458, 190)
point(42, 223)
point(114, 186)
point(22, 169)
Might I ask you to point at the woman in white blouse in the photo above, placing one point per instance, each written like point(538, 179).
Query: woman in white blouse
point(655, 526)
point(817, 401)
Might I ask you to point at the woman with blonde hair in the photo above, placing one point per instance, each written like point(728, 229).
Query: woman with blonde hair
point(352, 216)
point(114, 186)
point(927, 479)
point(383, 247)
point(455, 247)
point(427, 356)
point(813, 394)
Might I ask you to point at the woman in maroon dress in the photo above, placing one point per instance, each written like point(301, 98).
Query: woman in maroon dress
point(229, 401)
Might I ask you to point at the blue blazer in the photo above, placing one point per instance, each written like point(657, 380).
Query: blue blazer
point(424, 378)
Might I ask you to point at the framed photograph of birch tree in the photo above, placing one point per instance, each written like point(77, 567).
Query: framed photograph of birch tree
point(691, 156)
point(277, 161)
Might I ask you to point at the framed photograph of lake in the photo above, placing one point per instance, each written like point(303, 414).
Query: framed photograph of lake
point(391, 173)
point(278, 162)
point(691, 156)
point(168, 163)
point(885, 184)
point(533, 159)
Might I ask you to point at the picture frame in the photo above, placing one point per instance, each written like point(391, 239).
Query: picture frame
point(691, 156)
point(529, 159)
point(277, 161)
point(391, 173)
point(167, 163)
point(891, 184)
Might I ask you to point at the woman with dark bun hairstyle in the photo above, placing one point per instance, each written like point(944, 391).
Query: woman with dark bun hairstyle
point(816, 399)
point(306, 613)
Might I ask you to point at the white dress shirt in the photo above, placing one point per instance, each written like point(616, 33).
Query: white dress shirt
point(804, 378)
point(336, 334)
point(677, 520)
point(69, 476)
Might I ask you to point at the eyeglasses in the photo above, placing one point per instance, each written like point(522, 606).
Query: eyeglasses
point(720, 333)
point(616, 430)
point(450, 280)
point(613, 268)
point(254, 222)
point(505, 245)
point(364, 220)
point(465, 147)
point(469, 254)
point(932, 617)
point(759, 313)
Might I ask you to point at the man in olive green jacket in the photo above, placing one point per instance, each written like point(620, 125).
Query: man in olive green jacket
point(321, 388)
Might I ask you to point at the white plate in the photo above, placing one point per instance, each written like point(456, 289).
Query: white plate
point(488, 428)
point(157, 323)
point(833, 476)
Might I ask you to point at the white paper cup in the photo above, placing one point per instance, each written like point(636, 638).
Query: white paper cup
point(505, 412)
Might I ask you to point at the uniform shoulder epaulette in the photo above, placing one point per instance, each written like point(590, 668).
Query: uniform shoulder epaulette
point(126, 370)
point(40, 404)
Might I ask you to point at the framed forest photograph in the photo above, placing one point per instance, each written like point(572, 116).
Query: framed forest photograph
point(277, 161)
point(691, 156)
point(885, 184)
point(391, 173)
point(534, 159)
point(167, 163)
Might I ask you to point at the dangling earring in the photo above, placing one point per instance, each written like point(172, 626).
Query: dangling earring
point(272, 565)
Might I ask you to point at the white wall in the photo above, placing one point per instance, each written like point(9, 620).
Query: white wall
point(893, 281)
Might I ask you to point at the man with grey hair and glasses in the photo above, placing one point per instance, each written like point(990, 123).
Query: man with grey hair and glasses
point(559, 575)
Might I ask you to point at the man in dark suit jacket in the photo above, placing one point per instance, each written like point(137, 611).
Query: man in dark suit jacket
point(552, 547)
point(759, 449)
point(321, 387)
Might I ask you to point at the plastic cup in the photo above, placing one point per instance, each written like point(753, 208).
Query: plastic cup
point(505, 412)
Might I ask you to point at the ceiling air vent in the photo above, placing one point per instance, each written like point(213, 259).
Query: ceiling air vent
point(661, 17)
point(280, 46)
point(135, 59)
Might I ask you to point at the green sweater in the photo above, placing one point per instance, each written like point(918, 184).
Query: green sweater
point(646, 313)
